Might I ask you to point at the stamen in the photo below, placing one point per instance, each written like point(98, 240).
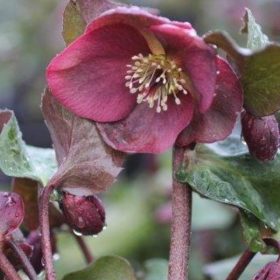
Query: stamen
point(154, 78)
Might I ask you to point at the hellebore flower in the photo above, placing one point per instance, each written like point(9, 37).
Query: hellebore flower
point(141, 77)
point(261, 135)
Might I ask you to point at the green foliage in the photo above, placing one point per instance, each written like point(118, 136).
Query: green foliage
point(85, 162)
point(238, 180)
point(73, 22)
point(261, 83)
point(256, 38)
point(259, 67)
point(20, 160)
point(252, 232)
point(105, 268)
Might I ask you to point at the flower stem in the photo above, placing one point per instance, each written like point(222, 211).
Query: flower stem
point(241, 265)
point(8, 268)
point(45, 231)
point(84, 248)
point(28, 268)
point(181, 223)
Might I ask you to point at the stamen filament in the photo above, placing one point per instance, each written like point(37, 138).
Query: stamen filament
point(154, 78)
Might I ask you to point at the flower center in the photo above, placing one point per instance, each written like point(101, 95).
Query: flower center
point(154, 78)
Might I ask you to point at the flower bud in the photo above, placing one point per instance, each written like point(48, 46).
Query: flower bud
point(85, 214)
point(12, 213)
point(261, 135)
point(270, 272)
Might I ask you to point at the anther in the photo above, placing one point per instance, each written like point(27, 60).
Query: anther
point(157, 71)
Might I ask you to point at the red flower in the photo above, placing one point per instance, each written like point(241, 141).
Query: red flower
point(142, 78)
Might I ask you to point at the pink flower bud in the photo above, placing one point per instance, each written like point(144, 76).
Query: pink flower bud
point(261, 135)
point(85, 214)
point(12, 213)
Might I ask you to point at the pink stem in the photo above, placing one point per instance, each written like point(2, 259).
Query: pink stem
point(28, 268)
point(241, 265)
point(84, 248)
point(181, 223)
point(7, 268)
point(45, 231)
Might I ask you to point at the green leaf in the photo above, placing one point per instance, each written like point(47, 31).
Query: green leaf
point(105, 268)
point(157, 269)
point(91, 9)
point(225, 42)
point(252, 232)
point(259, 67)
point(237, 180)
point(221, 269)
point(79, 13)
point(256, 38)
point(73, 22)
point(261, 84)
point(20, 160)
point(86, 163)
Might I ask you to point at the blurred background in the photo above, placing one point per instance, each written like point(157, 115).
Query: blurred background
point(138, 209)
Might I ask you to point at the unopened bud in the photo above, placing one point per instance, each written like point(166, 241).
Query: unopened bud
point(12, 213)
point(261, 135)
point(85, 214)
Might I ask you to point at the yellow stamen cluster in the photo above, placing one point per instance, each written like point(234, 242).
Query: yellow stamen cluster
point(154, 78)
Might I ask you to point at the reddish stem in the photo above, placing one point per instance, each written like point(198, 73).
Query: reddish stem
point(84, 248)
point(272, 242)
point(28, 268)
point(45, 231)
point(181, 223)
point(241, 265)
point(7, 268)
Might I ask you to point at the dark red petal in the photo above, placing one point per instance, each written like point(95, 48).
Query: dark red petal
point(185, 25)
point(139, 18)
point(133, 16)
point(146, 131)
point(88, 77)
point(12, 212)
point(217, 123)
point(195, 57)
